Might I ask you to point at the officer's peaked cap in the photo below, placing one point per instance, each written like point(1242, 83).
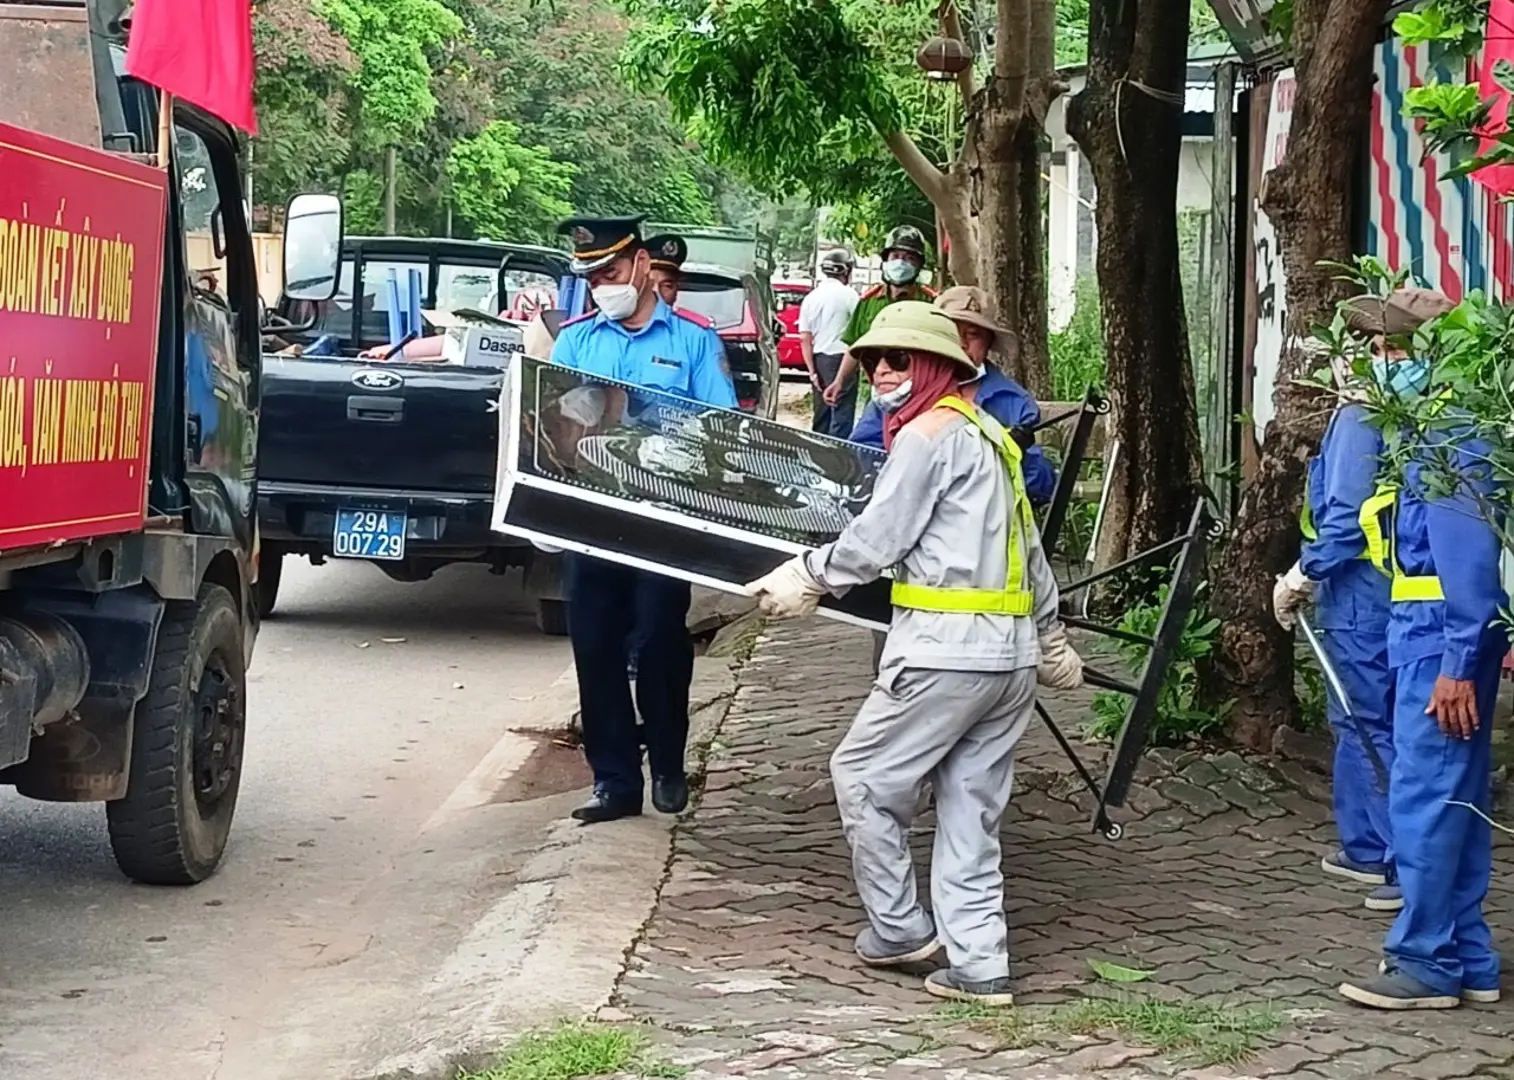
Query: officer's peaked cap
point(598, 241)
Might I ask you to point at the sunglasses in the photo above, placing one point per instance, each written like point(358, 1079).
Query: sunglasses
point(898, 359)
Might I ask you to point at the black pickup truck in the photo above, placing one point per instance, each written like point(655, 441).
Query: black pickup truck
point(394, 462)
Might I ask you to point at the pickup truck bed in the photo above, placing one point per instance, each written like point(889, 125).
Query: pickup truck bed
point(415, 443)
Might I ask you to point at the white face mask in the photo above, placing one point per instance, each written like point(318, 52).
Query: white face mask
point(894, 398)
point(618, 302)
point(900, 271)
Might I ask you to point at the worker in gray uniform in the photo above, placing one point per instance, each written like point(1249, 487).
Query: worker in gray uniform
point(975, 623)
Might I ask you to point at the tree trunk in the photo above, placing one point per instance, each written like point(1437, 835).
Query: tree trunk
point(1128, 122)
point(1309, 200)
point(1032, 367)
point(389, 193)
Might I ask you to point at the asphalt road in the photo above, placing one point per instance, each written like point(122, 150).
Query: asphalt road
point(378, 905)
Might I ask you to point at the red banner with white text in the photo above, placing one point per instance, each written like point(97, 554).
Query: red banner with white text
point(81, 248)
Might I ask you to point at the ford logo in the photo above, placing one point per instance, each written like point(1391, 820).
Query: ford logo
point(377, 379)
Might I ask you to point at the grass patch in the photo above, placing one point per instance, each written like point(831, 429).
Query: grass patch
point(1207, 1034)
point(1211, 1034)
point(571, 1051)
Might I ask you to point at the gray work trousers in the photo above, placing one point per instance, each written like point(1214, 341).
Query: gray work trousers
point(957, 730)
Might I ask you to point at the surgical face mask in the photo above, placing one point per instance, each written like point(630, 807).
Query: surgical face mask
point(894, 398)
point(980, 371)
point(616, 301)
point(1404, 378)
point(900, 271)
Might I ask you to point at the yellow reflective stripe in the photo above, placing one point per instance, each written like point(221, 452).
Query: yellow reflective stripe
point(1408, 589)
point(1306, 521)
point(1371, 521)
point(963, 601)
point(1015, 598)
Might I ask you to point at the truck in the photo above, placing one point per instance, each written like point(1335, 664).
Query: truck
point(394, 462)
point(129, 406)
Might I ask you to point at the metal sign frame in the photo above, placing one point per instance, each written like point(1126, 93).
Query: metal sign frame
point(557, 516)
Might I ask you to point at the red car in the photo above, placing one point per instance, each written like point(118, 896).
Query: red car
point(786, 298)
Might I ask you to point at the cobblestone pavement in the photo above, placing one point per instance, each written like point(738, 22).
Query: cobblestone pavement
point(746, 968)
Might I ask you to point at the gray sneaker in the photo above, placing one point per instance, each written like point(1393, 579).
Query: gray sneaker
point(1396, 991)
point(872, 950)
point(953, 987)
point(1389, 898)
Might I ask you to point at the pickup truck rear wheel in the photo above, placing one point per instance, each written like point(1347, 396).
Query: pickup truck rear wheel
point(552, 617)
point(186, 752)
point(265, 591)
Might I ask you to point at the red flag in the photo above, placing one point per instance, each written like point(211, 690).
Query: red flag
point(198, 50)
point(1498, 44)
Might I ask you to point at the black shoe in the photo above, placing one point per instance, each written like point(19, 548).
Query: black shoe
point(875, 951)
point(952, 986)
point(1396, 990)
point(670, 796)
point(606, 807)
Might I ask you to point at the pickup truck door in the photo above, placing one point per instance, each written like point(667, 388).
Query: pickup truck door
point(221, 344)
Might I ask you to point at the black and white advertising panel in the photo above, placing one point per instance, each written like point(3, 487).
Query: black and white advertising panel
point(712, 496)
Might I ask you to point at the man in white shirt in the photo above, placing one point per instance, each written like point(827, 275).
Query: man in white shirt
point(823, 317)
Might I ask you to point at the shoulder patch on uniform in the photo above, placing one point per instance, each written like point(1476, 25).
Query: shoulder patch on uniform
point(695, 318)
point(578, 319)
point(876, 290)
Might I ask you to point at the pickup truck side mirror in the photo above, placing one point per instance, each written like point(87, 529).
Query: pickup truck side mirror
point(312, 247)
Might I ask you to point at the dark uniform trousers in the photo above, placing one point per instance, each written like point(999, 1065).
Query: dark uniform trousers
point(610, 607)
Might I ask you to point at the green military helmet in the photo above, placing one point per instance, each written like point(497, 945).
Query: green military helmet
point(915, 326)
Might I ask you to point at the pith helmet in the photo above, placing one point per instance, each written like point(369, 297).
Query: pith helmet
point(918, 327)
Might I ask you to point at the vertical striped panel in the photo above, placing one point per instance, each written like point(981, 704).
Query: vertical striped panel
point(1452, 235)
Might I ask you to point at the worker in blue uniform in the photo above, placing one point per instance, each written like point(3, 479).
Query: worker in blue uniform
point(1446, 647)
point(997, 394)
point(1336, 570)
point(633, 337)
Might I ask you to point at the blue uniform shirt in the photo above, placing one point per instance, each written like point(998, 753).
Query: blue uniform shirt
point(671, 353)
point(1449, 537)
point(1007, 402)
point(1352, 594)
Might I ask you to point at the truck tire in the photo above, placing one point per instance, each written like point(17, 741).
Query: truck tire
point(186, 751)
point(265, 591)
point(552, 617)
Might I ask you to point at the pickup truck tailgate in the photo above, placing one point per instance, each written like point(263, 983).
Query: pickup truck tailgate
point(350, 423)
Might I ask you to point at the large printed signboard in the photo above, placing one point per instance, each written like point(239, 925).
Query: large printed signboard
point(712, 496)
point(81, 241)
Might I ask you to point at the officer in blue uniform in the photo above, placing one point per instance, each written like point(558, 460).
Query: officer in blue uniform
point(997, 394)
point(1338, 570)
point(634, 337)
point(1446, 647)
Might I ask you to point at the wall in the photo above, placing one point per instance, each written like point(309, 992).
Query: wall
point(1452, 235)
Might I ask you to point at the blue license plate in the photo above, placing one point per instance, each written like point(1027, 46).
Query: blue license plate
point(369, 534)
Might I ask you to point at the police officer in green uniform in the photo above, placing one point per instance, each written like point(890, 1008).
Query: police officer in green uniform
point(635, 337)
point(903, 259)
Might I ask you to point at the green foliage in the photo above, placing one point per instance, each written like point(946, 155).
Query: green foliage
point(396, 42)
point(573, 1051)
point(1453, 25)
point(1459, 430)
point(1077, 353)
point(506, 190)
point(1210, 1034)
point(1179, 717)
point(1309, 690)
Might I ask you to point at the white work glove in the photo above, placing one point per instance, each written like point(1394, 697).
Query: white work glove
point(1292, 591)
point(787, 592)
point(1060, 668)
point(583, 405)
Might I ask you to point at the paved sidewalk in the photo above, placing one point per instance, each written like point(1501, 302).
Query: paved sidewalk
point(746, 967)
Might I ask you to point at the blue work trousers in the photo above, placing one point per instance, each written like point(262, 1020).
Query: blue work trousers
point(1444, 853)
point(610, 607)
point(1360, 657)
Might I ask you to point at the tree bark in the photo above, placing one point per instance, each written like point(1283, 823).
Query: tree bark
point(1128, 122)
point(1309, 200)
point(389, 190)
